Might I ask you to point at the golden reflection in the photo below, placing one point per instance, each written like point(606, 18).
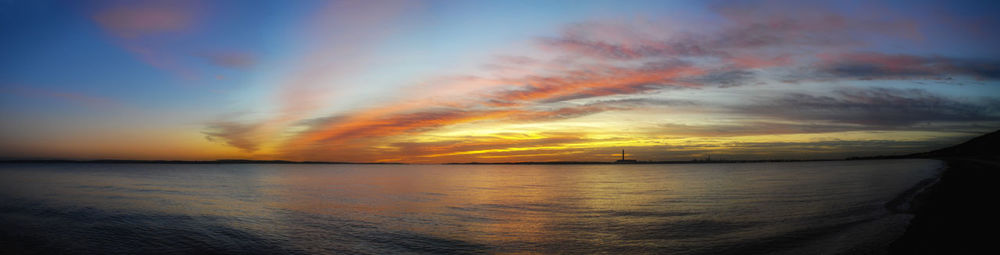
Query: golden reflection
point(530, 207)
point(485, 203)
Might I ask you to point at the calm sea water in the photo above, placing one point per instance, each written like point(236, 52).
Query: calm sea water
point(805, 207)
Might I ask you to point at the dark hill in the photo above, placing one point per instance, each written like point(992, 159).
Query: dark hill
point(984, 146)
point(955, 215)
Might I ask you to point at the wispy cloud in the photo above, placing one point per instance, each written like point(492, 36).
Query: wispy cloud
point(144, 28)
point(230, 59)
point(149, 18)
point(879, 107)
point(878, 66)
point(598, 80)
point(240, 135)
point(75, 98)
point(593, 67)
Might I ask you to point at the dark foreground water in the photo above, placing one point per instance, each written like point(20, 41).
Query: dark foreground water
point(796, 208)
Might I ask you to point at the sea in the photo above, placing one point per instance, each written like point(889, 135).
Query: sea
point(825, 207)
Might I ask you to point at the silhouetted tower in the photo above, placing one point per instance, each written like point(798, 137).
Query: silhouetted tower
point(623, 160)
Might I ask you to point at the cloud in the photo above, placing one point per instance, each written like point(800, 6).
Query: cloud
point(621, 42)
point(485, 144)
point(75, 98)
point(578, 147)
point(626, 60)
point(239, 135)
point(532, 101)
point(771, 23)
point(641, 102)
point(745, 128)
point(783, 127)
point(144, 28)
point(230, 59)
point(549, 113)
point(764, 35)
point(879, 107)
point(593, 67)
point(750, 34)
point(400, 123)
point(877, 66)
point(723, 78)
point(565, 112)
point(339, 40)
point(600, 81)
point(147, 18)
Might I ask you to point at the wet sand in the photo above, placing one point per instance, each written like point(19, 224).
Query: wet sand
point(955, 215)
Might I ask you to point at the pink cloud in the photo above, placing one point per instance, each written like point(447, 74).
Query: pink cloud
point(147, 18)
point(143, 28)
point(586, 60)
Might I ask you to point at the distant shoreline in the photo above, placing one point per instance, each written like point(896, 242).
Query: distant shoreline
point(979, 146)
point(665, 162)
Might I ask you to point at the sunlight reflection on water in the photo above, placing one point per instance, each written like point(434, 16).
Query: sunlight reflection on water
point(260, 208)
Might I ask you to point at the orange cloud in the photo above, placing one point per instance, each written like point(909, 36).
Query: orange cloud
point(587, 61)
point(601, 81)
point(351, 128)
point(420, 116)
point(239, 135)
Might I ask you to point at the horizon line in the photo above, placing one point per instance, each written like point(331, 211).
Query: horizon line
point(253, 161)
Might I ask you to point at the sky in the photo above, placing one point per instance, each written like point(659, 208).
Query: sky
point(494, 81)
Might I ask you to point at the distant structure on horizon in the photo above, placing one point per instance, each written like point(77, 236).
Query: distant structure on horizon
point(623, 160)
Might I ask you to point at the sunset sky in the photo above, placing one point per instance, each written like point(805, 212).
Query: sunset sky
point(494, 81)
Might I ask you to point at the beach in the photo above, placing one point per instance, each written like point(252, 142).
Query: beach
point(954, 215)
